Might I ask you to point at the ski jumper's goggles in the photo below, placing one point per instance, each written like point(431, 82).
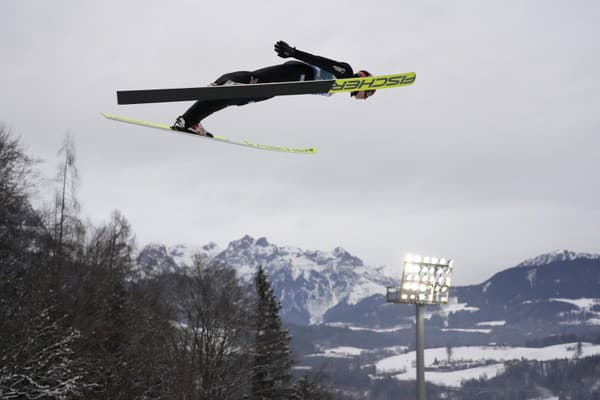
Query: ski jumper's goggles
point(368, 93)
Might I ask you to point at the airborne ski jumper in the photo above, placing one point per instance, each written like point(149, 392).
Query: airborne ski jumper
point(309, 68)
point(311, 74)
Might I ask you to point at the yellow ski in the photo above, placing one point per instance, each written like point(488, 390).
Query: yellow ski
point(373, 82)
point(308, 150)
point(258, 90)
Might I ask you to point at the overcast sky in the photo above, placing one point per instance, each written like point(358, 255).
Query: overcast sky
point(491, 157)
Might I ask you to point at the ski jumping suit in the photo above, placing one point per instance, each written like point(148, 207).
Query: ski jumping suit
point(312, 68)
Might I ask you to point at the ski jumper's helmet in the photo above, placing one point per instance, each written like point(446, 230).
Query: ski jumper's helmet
point(363, 74)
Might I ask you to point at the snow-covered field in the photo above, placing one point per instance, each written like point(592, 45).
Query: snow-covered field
point(339, 352)
point(494, 357)
point(589, 321)
point(584, 304)
point(455, 307)
point(454, 378)
point(491, 323)
point(361, 328)
point(486, 331)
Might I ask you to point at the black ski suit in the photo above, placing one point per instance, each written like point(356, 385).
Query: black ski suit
point(311, 68)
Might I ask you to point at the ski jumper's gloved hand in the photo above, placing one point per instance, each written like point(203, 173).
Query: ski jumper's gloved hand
point(284, 50)
point(337, 68)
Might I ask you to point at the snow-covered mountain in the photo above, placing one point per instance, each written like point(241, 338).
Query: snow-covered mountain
point(157, 259)
point(555, 290)
point(308, 283)
point(563, 274)
point(336, 287)
point(557, 256)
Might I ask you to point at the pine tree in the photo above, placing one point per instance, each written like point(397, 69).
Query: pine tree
point(272, 355)
point(309, 387)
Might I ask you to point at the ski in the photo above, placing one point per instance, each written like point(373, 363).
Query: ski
point(258, 90)
point(308, 150)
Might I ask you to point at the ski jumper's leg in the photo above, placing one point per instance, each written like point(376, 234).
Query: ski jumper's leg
point(203, 108)
point(287, 72)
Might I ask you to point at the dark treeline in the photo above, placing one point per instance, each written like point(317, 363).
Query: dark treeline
point(572, 379)
point(76, 323)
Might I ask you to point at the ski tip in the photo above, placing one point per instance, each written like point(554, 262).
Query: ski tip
point(308, 150)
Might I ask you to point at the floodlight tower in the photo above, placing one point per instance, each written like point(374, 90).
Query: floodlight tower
point(425, 280)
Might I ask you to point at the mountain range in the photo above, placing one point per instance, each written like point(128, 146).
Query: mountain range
point(337, 288)
point(308, 283)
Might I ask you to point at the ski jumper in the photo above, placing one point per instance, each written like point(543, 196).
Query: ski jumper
point(310, 67)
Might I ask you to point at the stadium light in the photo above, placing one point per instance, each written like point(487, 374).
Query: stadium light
point(425, 280)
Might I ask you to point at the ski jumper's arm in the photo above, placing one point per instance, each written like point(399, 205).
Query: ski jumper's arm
point(337, 68)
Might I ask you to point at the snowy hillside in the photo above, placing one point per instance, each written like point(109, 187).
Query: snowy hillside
point(466, 362)
point(557, 256)
point(474, 362)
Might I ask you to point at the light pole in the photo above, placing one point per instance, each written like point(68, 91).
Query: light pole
point(425, 280)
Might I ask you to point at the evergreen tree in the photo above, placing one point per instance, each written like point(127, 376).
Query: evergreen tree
point(309, 387)
point(449, 352)
point(272, 355)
